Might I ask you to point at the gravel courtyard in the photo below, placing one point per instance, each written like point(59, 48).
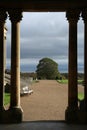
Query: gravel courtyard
point(47, 102)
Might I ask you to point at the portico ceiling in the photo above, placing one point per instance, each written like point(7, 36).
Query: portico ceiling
point(43, 5)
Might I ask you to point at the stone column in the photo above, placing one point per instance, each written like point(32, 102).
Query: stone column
point(15, 17)
point(72, 17)
point(3, 17)
point(84, 16)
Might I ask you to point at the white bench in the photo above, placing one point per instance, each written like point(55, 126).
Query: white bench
point(25, 90)
point(30, 91)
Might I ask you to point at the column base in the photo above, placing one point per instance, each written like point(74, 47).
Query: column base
point(1, 115)
point(71, 115)
point(13, 115)
point(75, 116)
point(82, 117)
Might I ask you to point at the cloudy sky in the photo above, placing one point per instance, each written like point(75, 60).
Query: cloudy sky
point(45, 35)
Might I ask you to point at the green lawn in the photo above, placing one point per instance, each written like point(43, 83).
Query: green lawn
point(80, 96)
point(80, 81)
point(65, 81)
point(6, 98)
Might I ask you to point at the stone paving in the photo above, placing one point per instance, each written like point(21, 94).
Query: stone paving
point(43, 125)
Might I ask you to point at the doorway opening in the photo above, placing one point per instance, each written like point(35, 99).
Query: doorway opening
point(44, 35)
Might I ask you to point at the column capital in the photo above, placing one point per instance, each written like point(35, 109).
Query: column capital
point(3, 15)
point(73, 15)
point(84, 15)
point(15, 15)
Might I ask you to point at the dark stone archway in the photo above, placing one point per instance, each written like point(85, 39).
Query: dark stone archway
point(14, 8)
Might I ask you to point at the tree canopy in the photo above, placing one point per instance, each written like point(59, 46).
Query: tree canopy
point(47, 69)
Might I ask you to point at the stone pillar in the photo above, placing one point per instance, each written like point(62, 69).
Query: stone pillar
point(84, 16)
point(3, 17)
point(72, 17)
point(15, 17)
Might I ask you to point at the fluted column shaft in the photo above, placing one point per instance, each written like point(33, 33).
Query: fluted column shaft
point(84, 16)
point(3, 17)
point(15, 17)
point(72, 17)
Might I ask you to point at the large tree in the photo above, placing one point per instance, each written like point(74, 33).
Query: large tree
point(47, 69)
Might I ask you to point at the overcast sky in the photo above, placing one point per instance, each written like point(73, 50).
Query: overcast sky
point(45, 35)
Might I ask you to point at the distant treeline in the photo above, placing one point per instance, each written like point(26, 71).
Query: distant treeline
point(27, 75)
point(34, 75)
point(80, 75)
point(24, 74)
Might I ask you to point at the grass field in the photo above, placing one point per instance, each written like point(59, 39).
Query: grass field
point(80, 96)
point(6, 98)
point(65, 81)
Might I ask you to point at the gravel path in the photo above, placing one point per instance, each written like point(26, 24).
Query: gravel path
point(48, 102)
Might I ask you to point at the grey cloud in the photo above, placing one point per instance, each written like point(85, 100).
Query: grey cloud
point(8, 50)
point(43, 24)
point(45, 35)
point(44, 48)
